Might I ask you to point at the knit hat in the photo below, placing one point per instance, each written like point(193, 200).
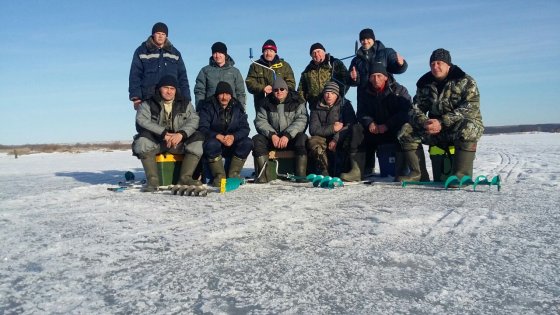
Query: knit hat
point(160, 27)
point(331, 87)
point(269, 44)
point(367, 33)
point(441, 54)
point(167, 80)
point(316, 46)
point(223, 87)
point(378, 67)
point(279, 83)
point(219, 47)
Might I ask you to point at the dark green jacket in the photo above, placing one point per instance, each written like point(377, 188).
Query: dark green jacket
point(314, 78)
point(259, 77)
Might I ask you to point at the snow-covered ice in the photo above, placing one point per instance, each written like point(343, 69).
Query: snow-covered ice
point(69, 246)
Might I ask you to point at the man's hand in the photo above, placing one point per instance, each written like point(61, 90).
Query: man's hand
point(400, 59)
point(432, 126)
point(373, 128)
point(172, 140)
point(337, 126)
point(382, 129)
point(136, 102)
point(228, 140)
point(354, 74)
point(283, 142)
point(267, 90)
point(332, 145)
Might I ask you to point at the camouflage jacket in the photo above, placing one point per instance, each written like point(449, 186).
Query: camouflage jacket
point(259, 77)
point(314, 78)
point(458, 100)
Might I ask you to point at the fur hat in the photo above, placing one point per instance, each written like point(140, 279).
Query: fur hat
point(223, 87)
point(168, 80)
point(219, 47)
point(279, 83)
point(269, 44)
point(160, 27)
point(331, 86)
point(316, 46)
point(441, 54)
point(378, 67)
point(367, 33)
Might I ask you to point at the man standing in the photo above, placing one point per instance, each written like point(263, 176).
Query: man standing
point(281, 122)
point(154, 59)
point(220, 68)
point(167, 123)
point(321, 69)
point(259, 78)
point(445, 111)
point(224, 123)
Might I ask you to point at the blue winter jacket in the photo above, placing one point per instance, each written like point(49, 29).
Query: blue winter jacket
point(211, 123)
point(150, 64)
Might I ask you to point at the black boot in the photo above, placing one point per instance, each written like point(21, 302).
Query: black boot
point(190, 161)
point(413, 163)
point(216, 166)
point(301, 168)
point(150, 169)
point(357, 160)
point(463, 163)
point(260, 169)
point(235, 167)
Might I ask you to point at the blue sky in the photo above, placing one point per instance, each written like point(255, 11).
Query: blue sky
point(64, 64)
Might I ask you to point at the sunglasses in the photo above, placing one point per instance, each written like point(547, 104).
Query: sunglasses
point(279, 90)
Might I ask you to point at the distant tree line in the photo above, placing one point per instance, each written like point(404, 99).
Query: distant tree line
point(522, 128)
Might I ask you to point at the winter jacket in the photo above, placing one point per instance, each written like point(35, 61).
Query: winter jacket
point(458, 100)
point(323, 117)
point(259, 77)
point(150, 63)
point(390, 107)
point(287, 119)
point(209, 77)
point(212, 121)
point(151, 118)
point(377, 53)
point(314, 78)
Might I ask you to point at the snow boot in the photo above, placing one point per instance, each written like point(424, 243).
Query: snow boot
point(260, 169)
point(424, 176)
point(355, 174)
point(235, 167)
point(317, 147)
point(301, 168)
point(190, 161)
point(216, 166)
point(150, 169)
point(413, 162)
point(463, 163)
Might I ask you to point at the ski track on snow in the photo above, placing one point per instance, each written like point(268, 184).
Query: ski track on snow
point(70, 246)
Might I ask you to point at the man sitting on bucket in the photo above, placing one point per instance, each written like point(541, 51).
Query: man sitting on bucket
point(445, 111)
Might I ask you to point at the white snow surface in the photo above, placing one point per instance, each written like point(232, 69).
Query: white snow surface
point(70, 246)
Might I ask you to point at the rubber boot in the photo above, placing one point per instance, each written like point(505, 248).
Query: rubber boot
point(235, 167)
point(317, 147)
point(190, 161)
point(463, 163)
point(260, 165)
point(216, 166)
point(424, 175)
point(401, 169)
point(301, 168)
point(413, 163)
point(355, 173)
point(150, 169)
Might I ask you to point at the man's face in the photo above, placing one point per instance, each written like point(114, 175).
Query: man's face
point(377, 80)
point(280, 94)
point(367, 43)
point(167, 92)
point(224, 99)
point(318, 56)
point(269, 54)
point(329, 98)
point(159, 38)
point(440, 69)
point(219, 58)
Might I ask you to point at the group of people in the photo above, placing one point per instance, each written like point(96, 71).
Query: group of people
point(445, 111)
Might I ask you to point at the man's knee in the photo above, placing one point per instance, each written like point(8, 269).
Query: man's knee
point(143, 146)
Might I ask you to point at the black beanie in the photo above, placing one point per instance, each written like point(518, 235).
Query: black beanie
point(316, 46)
point(223, 87)
point(160, 27)
point(441, 54)
point(167, 80)
point(270, 44)
point(367, 33)
point(377, 67)
point(219, 47)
